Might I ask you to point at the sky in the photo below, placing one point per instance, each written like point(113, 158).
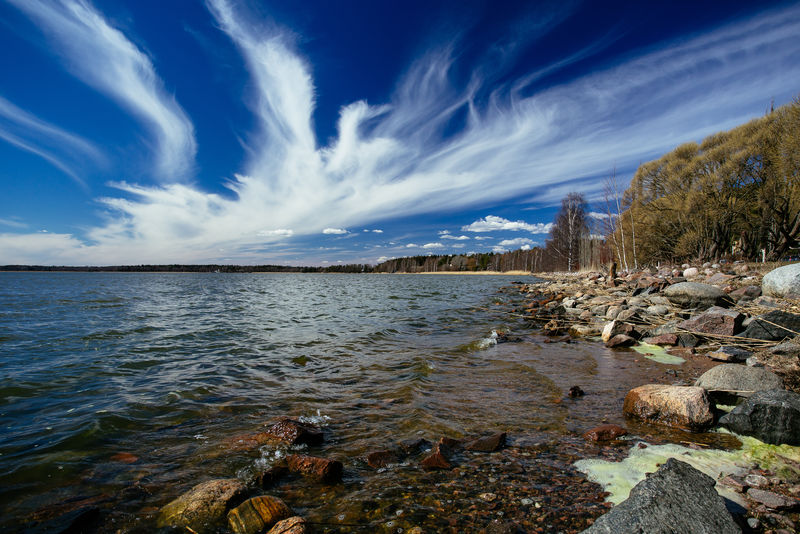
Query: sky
point(320, 132)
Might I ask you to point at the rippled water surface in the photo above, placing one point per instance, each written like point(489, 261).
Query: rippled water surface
point(122, 390)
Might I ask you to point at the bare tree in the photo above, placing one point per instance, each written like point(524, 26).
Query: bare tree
point(569, 229)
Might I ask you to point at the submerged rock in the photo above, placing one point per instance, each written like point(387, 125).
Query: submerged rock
point(203, 508)
point(676, 498)
point(378, 459)
point(322, 469)
point(738, 379)
point(772, 416)
point(438, 458)
point(256, 515)
point(492, 443)
point(773, 326)
point(292, 525)
point(696, 295)
point(680, 406)
point(604, 433)
point(782, 282)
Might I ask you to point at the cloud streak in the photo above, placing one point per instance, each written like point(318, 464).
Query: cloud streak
point(402, 157)
point(103, 58)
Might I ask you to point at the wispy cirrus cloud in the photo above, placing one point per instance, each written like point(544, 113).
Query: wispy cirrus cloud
point(64, 150)
point(404, 157)
point(104, 58)
point(334, 231)
point(516, 242)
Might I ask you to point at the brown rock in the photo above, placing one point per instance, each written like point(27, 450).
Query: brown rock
point(553, 328)
point(293, 525)
point(312, 466)
point(270, 477)
point(491, 443)
point(604, 433)
point(620, 340)
point(438, 458)
point(203, 508)
point(378, 459)
point(679, 406)
point(575, 391)
point(772, 500)
point(663, 339)
point(715, 320)
point(294, 432)
point(125, 458)
point(256, 515)
point(413, 446)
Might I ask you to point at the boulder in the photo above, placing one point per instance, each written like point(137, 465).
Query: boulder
point(438, 458)
point(604, 433)
point(676, 498)
point(292, 525)
point(746, 292)
point(663, 339)
point(782, 282)
point(492, 443)
point(739, 380)
point(620, 340)
point(696, 295)
point(294, 432)
point(772, 500)
point(730, 354)
point(773, 416)
point(322, 469)
point(680, 406)
point(715, 320)
point(691, 272)
point(203, 508)
point(773, 326)
point(617, 327)
point(256, 515)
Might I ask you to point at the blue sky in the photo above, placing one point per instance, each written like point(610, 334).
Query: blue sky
point(287, 132)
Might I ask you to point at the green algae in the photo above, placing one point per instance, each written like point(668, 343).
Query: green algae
point(657, 354)
point(618, 478)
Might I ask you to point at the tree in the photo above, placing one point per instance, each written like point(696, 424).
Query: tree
point(569, 229)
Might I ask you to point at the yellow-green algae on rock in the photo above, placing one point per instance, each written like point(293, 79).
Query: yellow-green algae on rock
point(618, 478)
point(657, 354)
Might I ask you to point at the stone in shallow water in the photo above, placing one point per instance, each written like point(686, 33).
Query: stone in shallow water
point(772, 416)
point(378, 459)
point(676, 498)
point(491, 443)
point(312, 466)
point(203, 508)
point(604, 433)
point(293, 525)
point(438, 458)
point(679, 406)
point(620, 340)
point(256, 515)
point(294, 432)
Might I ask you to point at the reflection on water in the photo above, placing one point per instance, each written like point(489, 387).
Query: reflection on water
point(123, 390)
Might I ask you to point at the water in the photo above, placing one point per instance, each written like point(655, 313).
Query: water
point(122, 390)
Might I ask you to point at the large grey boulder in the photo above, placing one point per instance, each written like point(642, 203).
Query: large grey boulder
point(676, 498)
point(696, 295)
point(773, 326)
point(782, 282)
point(772, 416)
point(739, 380)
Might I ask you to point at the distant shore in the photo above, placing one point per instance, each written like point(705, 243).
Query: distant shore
point(505, 273)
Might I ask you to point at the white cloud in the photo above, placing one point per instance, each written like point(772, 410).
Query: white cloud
point(516, 242)
point(282, 232)
point(600, 216)
point(103, 58)
point(378, 231)
point(390, 160)
point(481, 237)
point(492, 223)
point(499, 250)
point(456, 238)
point(432, 245)
point(525, 247)
point(13, 223)
point(335, 231)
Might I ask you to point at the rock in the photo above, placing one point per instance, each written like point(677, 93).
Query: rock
point(438, 458)
point(270, 477)
point(620, 340)
point(583, 330)
point(553, 328)
point(738, 379)
point(616, 327)
point(322, 469)
point(718, 278)
point(492, 443)
point(676, 498)
point(203, 508)
point(773, 416)
point(292, 525)
point(604, 433)
point(695, 295)
point(294, 432)
point(782, 282)
point(568, 303)
point(756, 481)
point(602, 309)
point(691, 272)
point(749, 292)
point(773, 326)
point(679, 406)
point(688, 340)
point(772, 500)
point(657, 309)
point(715, 320)
point(752, 361)
point(663, 339)
point(256, 515)
point(787, 348)
point(378, 459)
point(730, 354)
point(575, 391)
point(414, 446)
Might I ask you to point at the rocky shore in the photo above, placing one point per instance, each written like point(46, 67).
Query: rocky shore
point(746, 321)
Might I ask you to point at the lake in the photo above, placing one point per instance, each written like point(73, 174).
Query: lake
point(122, 390)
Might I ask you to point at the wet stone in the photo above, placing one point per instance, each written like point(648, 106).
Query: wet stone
point(256, 515)
point(491, 443)
point(438, 458)
point(604, 433)
point(620, 340)
point(414, 446)
point(269, 477)
point(575, 391)
point(322, 469)
point(204, 506)
point(378, 459)
point(292, 525)
point(294, 432)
